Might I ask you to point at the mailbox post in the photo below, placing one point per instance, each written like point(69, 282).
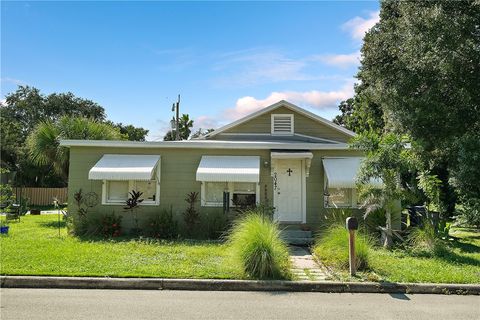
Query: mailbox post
point(352, 225)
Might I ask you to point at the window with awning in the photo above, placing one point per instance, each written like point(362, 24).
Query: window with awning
point(123, 173)
point(340, 181)
point(237, 175)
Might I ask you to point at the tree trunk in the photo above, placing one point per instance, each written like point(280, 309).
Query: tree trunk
point(388, 234)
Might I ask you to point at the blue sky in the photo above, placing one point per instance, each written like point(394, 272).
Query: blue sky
point(225, 59)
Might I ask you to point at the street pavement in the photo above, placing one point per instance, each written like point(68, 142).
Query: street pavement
point(135, 304)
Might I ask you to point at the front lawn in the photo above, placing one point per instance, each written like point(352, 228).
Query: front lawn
point(458, 263)
point(33, 247)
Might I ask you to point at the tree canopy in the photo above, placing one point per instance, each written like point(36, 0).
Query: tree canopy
point(184, 127)
point(44, 141)
point(419, 76)
point(26, 108)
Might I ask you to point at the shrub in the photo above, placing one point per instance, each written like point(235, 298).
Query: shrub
point(162, 225)
point(216, 225)
point(332, 248)
point(111, 225)
point(191, 215)
point(256, 244)
point(425, 240)
point(470, 213)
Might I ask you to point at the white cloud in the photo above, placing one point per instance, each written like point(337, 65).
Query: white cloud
point(205, 122)
point(13, 81)
point(314, 98)
point(162, 127)
point(258, 66)
point(358, 26)
point(340, 60)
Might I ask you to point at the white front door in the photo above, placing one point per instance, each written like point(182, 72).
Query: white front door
point(288, 188)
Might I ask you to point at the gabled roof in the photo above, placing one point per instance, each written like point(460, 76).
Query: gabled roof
point(281, 103)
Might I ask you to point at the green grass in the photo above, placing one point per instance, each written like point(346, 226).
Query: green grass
point(332, 248)
point(33, 247)
point(258, 249)
point(458, 261)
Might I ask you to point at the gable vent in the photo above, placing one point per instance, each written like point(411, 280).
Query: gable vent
point(282, 124)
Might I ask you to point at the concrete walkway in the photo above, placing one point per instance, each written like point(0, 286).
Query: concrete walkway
point(304, 267)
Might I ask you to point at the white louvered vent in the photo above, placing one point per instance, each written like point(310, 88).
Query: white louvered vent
point(282, 124)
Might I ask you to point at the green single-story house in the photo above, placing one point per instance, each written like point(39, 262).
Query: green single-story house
point(282, 155)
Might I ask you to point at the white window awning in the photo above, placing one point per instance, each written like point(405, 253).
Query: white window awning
point(229, 169)
point(342, 172)
point(124, 167)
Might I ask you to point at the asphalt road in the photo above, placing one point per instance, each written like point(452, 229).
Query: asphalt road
point(130, 304)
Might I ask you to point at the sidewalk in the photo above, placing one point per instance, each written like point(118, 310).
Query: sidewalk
point(304, 266)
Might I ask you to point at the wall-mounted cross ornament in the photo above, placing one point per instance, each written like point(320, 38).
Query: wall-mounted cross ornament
point(289, 171)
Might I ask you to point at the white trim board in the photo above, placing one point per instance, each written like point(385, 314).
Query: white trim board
point(205, 144)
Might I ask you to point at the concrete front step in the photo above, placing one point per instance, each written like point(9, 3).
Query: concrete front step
point(297, 237)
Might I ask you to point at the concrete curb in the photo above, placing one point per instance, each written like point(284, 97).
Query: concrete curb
point(233, 285)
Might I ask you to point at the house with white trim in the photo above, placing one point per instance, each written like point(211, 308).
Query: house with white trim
point(282, 156)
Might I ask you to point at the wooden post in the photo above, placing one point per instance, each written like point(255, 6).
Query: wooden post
point(352, 225)
point(351, 247)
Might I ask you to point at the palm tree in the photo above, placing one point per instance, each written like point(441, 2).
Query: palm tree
point(44, 141)
point(386, 158)
point(184, 127)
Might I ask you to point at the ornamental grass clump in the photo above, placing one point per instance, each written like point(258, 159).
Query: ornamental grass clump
point(331, 248)
point(256, 245)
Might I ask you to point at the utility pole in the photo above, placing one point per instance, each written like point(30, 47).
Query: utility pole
point(176, 108)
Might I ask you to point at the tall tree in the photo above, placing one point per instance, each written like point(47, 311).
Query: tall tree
point(386, 159)
point(131, 132)
point(421, 63)
point(200, 132)
point(44, 141)
point(23, 110)
point(185, 128)
point(361, 114)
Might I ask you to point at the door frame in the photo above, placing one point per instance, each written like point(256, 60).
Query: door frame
point(303, 189)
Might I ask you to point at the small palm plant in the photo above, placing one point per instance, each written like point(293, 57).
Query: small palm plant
point(132, 206)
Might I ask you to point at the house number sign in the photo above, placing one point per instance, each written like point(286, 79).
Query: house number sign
point(275, 181)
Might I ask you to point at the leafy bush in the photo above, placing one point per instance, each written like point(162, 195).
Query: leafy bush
point(78, 224)
point(216, 225)
point(256, 244)
point(423, 238)
point(132, 205)
point(191, 215)
point(111, 225)
point(332, 248)
point(162, 225)
point(470, 213)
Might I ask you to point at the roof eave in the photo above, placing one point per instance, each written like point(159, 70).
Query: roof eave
point(205, 144)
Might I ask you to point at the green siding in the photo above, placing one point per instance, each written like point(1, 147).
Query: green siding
point(302, 125)
point(178, 169)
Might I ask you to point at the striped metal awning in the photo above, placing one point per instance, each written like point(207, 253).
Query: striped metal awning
point(229, 169)
point(342, 172)
point(124, 167)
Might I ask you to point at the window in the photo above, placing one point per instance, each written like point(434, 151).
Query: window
point(244, 194)
point(282, 124)
point(213, 194)
point(117, 192)
point(241, 193)
point(340, 198)
point(148, 188)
